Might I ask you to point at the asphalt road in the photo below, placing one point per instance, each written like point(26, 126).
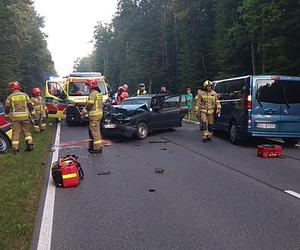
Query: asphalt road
point(210, 196)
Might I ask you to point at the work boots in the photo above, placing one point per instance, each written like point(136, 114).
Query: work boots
point(97, 151)
point(29, 147)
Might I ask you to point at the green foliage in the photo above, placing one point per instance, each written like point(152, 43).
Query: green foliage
point(24, 55)
point(181, 43)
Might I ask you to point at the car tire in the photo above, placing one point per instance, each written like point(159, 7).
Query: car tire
point(142, 131)
point(234, 134)
point(4, 143)
point(291, 141)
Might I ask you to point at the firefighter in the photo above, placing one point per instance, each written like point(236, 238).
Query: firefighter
point(142, 90)
point(40, 109)
point(18, 109)
point(94, 111)
point(207, 105)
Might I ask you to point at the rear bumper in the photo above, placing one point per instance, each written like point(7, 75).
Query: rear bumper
point(120, 130)
point(274, 134)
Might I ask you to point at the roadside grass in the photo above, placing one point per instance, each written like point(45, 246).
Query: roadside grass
point(21, 180)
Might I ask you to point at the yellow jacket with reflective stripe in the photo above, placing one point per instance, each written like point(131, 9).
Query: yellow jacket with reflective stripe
point(39, 105)
point(207, 102)
point(94, 105)
point(141, 92)
point(18, 106)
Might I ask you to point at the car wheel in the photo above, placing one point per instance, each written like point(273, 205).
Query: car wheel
point(4, 143)
point(234, 134)
point(291, 141)
point(142, 131)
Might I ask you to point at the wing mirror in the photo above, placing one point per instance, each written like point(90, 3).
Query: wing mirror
point(156, 108)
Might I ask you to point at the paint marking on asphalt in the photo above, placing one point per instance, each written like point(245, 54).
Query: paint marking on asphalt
point(44, 241)
point(292, 193)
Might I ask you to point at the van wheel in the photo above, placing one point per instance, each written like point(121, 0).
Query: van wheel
point(291, 141)
point(234, 134)
point(142, 131)
point(4, 143)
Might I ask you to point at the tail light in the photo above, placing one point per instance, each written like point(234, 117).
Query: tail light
point(249, 102)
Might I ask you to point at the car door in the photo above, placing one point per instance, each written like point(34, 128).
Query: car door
point(290, 109)
point(55, 99)
point(170, 113)
point(267, 100)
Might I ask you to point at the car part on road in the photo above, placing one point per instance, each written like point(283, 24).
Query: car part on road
point(151, 190)
point(269, 151)
point(142, 131)
point(104, 173)
point(159, 170)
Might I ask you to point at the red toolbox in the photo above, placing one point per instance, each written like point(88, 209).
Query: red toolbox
point(269, 151)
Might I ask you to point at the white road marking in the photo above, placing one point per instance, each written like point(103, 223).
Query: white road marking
point(295, 194)
point(44, 241)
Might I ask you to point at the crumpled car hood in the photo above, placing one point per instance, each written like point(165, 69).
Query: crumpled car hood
point(121, 111)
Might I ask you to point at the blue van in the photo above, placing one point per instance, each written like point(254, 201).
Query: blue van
point(262, 106)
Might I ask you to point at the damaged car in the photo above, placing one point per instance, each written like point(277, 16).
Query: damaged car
point(139, 116)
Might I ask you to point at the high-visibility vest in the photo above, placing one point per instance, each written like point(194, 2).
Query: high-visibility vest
point(139, 92)
point(94, 104)
point(18, 104)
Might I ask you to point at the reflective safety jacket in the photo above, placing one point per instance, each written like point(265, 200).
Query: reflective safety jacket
point(18, 106)
point(141, 92)
point(207, 102)
point(94, 105)
point(39, 105)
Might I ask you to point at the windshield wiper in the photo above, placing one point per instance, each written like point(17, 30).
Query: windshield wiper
point(259, 102)
point(286, 101)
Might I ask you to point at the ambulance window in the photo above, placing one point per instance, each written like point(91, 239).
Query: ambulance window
point(55, 89)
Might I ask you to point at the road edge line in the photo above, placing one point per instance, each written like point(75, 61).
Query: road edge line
point(292, 193)
point(45, 235)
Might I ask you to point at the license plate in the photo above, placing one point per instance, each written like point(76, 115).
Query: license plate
point(111, 125)
point(266, 125)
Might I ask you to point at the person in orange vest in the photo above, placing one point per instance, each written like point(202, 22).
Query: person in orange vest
point(207, 105)
point(40, 110)
point(18, 109)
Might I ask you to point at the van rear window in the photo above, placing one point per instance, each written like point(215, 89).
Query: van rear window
point(278, 91)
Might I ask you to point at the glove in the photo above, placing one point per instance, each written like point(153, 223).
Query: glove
point(7, 117)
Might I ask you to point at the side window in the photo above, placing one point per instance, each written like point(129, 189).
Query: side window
point(55, 89)
point(183, 102)
point(270, 91)
point(172, 102)
point(236, 89)
point(221, 89)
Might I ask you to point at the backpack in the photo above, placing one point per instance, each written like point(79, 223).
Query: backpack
point(67, 172)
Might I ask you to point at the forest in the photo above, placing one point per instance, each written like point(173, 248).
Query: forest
point(24, 56)
point(181, 43)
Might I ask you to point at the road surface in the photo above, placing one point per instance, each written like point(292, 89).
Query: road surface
point(210, 196)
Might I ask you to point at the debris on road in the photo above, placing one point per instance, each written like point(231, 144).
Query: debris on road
point(159, 170)
point(164, 149)
point(104, 173)
point(152, 190)
point(158, 142)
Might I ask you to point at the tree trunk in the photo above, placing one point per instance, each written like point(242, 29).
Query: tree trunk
point(253, 53)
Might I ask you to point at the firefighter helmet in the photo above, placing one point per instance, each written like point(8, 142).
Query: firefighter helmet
point(14, 85)
point(36, 91)
point(207, 83)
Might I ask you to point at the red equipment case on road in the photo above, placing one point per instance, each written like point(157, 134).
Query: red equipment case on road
point(269, 151)
point(67, 172)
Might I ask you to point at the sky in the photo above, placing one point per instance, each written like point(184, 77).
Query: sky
point(69, 25)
